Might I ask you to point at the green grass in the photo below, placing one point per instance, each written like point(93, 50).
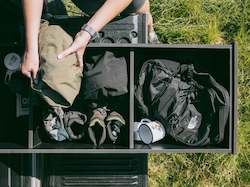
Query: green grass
point(206, 22)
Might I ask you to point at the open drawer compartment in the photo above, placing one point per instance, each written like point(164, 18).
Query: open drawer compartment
point(219, 62)
point(118, 103)
point(14, 125)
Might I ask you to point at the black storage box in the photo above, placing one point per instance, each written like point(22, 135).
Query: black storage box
point(47, 170)
point(129, 29)
point(92, 170)
point(21, 135)
point(206, 58)
point(220, 62)
point(14, 129)
point(15, 170)
point(119, 103)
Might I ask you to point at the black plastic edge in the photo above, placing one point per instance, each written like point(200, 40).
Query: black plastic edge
point(142, 45)
point(235, 86)
point(30, 123)
point(186, 46)
point(131, 99)
point(132, 47)
point(110, 151)
point(143, 28)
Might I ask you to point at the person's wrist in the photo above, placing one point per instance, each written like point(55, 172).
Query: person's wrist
point(85, 36)
point(31, 50)
point(92, 31)
point(31, 56)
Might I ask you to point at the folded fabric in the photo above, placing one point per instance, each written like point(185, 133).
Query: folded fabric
point(105, 74)
point(97, 128)
point(74, 124)
point(62, 125)
point(58, 81)
point(54, 125)
point(115, 122)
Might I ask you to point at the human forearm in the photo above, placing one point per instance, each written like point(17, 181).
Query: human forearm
point(107, 12)
point(32, 15)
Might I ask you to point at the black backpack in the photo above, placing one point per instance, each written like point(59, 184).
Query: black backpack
point(193, 107)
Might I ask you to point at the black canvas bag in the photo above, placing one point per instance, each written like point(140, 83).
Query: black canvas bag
point(217, 104)
point(154, 79)
point(176, 95)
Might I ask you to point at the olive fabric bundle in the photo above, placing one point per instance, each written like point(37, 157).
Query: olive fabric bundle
point(58, 81)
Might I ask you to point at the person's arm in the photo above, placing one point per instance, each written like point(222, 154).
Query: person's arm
point(105, 14)
point(32, 16)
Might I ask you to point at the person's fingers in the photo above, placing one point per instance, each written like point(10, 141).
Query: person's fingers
point(34, 74)
point(65, 53)
point(72, 49)
point(26, 73)
point(79, 56)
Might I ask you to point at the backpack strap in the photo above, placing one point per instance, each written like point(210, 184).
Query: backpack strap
point(221, 105)
point(139, 89)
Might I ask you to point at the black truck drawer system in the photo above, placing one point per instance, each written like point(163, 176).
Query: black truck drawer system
point(21, 136)
point(27, 160)
point(75, 170)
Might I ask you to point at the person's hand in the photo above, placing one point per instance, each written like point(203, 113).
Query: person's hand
point(30, 64)
point(78, 46)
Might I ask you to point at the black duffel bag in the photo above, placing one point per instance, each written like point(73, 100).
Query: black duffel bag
point(193, 107)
